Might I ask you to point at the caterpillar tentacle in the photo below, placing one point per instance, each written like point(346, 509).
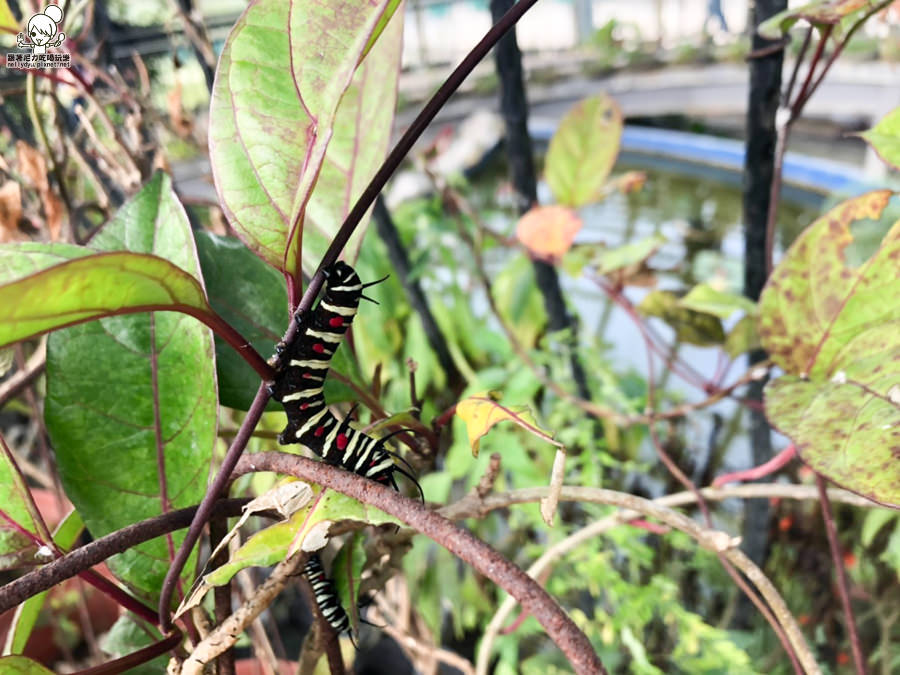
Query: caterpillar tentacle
point(299, 385)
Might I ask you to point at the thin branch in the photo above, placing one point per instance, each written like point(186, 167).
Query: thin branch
point(837, 558)
point(85, 557)
point(473, 506)
point(218, 530)
point(561, 629)
point(227, 633)
point(778, 462)
point(786, 97)
point(718, 542)
point(34, 366)
point(405, 144)
point(129, 661)
point(205, 510)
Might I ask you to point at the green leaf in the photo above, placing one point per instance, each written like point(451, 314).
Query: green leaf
point(251, 297)
point(696, 328)
point(835, 331)
point(519, 300)
point(26, 614)
point(884, 138)
point(346, 571)
point(48, 286)
point(875, 520)
point(131, 400)
point(609, 260)
point(19, 516)
point(583, 150)
point(22, 665)
point(285, 70)
point(743, 337)
point(281, 540)
point(704, 298)
point(128, 636)
point(362, 132)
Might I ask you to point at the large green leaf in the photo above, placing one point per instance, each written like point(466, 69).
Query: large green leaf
point(21, 527)
point(282, 75)
point(884, 138)
point(583, 150)
point(250, 296)
point(835, 331)
point(131, 400)
point(48, 286)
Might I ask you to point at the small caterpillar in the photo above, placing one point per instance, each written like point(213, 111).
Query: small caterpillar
point(299, 385)
point(326, 596)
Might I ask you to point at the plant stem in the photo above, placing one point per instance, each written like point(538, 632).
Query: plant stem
point(85, 557)
point(204, 511)
point(561, 629)
point(837, 558)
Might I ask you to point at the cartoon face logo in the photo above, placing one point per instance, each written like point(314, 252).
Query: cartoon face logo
point(43, 31)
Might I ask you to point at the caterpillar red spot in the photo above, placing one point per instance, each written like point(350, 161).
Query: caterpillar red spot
point(335, 322)
point(318, 348)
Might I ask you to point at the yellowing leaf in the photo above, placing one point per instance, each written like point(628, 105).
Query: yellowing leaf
point(548, 231)
point(7, 20)
point(583, 151)
point(482, 411)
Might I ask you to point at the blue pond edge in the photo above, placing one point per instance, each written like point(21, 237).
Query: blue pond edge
point(806, 179)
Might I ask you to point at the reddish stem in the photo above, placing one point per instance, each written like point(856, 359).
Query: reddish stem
point(779, 461)
point(837, 557)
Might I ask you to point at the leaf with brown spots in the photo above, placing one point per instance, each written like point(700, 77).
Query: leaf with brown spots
point(835, 330)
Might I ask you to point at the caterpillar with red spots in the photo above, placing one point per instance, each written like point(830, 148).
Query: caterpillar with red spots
point(300, 382)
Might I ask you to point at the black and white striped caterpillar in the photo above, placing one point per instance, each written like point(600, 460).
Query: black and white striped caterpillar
point(299, 385)
point(326, 596)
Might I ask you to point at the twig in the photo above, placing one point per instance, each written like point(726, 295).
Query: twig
point(129, 661)
point(472, 506)
point(561, 629)
point(227, 633)
point(837, 558)
point(84, 557)
point(777, 462)
point(218, 529)
point(718, 542)
point(33, 367)
point(205, 510)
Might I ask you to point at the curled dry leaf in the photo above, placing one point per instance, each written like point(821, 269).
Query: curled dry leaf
point(482, 411)
point(548, 231)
